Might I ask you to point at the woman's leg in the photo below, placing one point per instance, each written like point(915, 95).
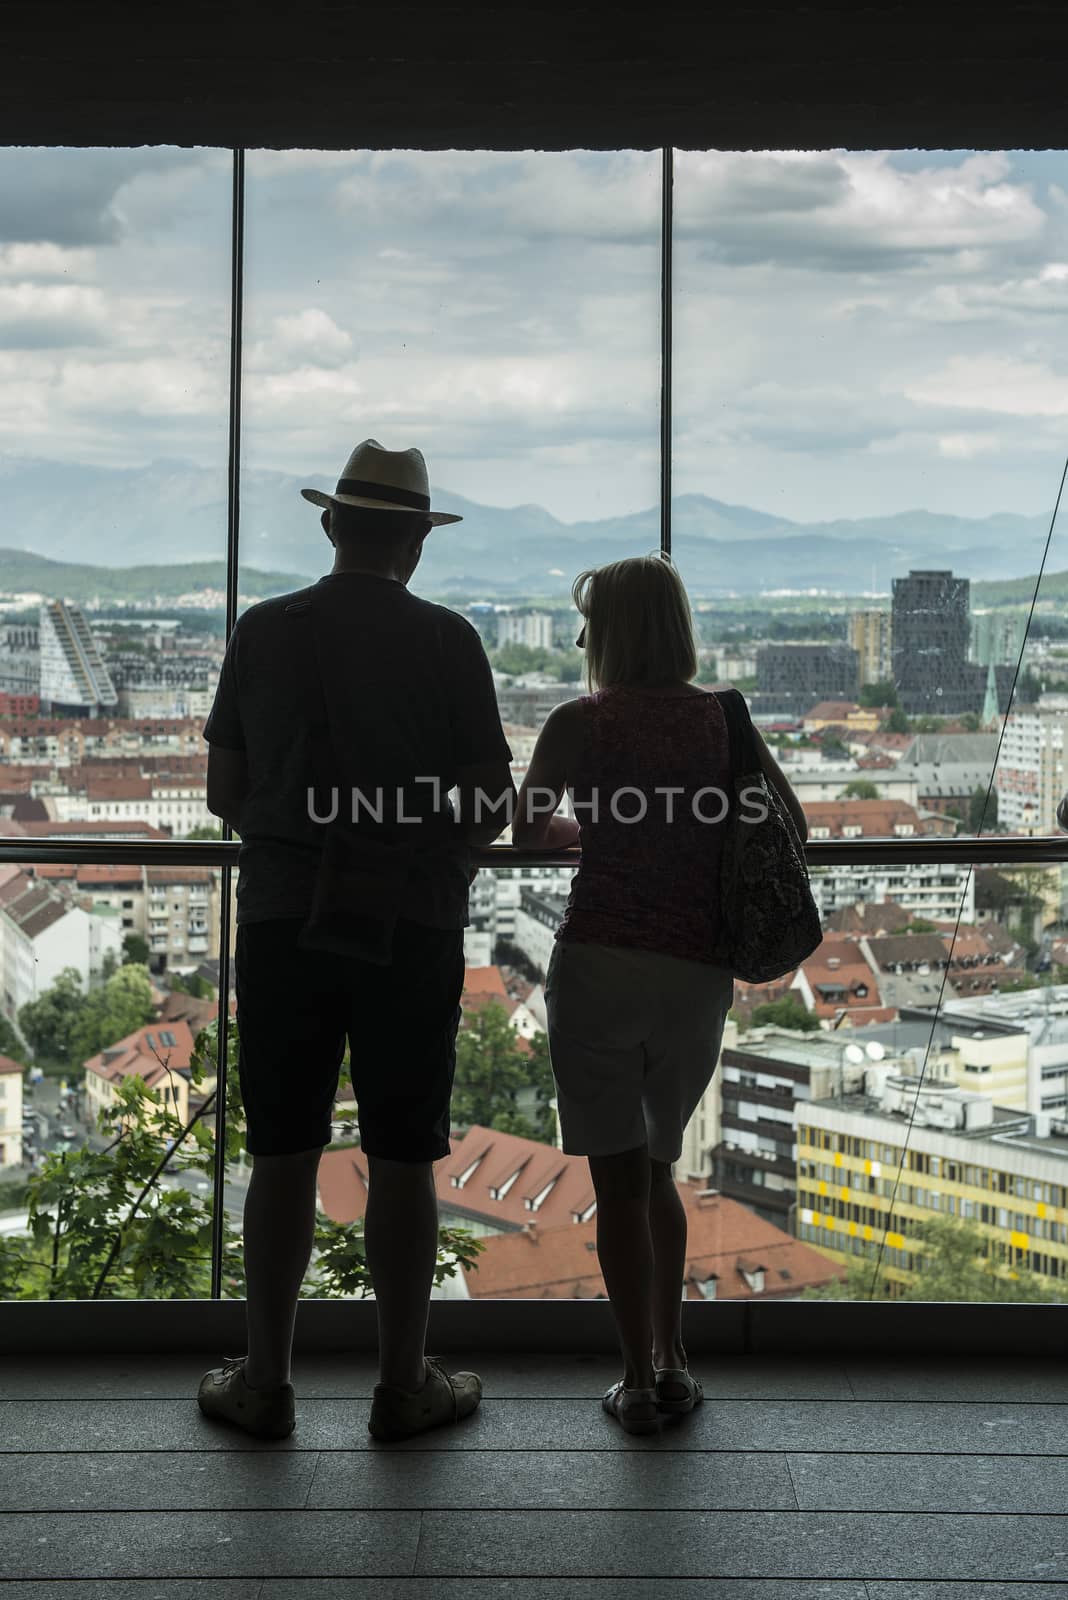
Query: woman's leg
point(625, 1251)
point(667, 1225)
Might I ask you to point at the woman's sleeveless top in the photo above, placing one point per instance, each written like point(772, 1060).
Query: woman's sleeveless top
point(650, 794)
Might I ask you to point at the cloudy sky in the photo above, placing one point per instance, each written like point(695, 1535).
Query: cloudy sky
point(855, 334)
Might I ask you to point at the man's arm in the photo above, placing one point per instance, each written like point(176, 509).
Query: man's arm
point(227, 784)
point(486, 796)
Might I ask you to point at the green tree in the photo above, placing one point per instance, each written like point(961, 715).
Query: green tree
point(205, 831)
point(135, 950)
point(788, 1012)
point(983, 810)
point(10, 1043)
point(47, 1022)
point(897, 722)
point(123, 1005)
point(883, 693)
point(101, 1224)
point(860, 789)
point(516, 658)
point(492, 1070)
point(959, 1262)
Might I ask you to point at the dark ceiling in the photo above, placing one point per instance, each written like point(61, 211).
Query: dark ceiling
point(355, 76)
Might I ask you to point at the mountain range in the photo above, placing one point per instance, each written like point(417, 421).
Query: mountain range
point(171, 513)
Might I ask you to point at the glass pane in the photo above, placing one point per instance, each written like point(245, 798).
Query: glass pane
point(866, 456)
point(114, 360)
point(500, 313)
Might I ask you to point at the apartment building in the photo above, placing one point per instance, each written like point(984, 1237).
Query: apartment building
point(1031, 777)
point(537, 919)
point(766, 1078)
point(887, 1152)
point(73, 678)
point(42, 931)
point(870, 636)
point(171, 800)
point(10, 1112)
point(531, 628)
point(181, 915)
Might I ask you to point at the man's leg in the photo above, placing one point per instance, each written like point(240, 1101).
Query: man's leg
point(279, 1231)
point(401, 1240)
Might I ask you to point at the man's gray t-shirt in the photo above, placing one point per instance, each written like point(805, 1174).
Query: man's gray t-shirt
point(411, 696)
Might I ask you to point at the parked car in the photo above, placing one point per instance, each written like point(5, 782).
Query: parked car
point(67, 1132)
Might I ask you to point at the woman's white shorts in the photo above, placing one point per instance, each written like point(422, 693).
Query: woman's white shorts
point(633, 1037)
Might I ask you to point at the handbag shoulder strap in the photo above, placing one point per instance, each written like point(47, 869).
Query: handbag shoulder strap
point(743, 748)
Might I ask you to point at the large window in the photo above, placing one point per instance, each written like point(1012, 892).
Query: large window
point(861, 356)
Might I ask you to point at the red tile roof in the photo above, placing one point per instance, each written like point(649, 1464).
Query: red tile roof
point(484, 980)
point(7, 1065)
point(841, 979)
point(495, 1158)
point(724, 1237)
point(145, 1052)
point(179, 874)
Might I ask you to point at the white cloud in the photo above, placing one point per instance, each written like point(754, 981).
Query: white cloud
point(850, 211)
point(964, 446)
point(37, 261)
point(35, 315)
point(994, 383)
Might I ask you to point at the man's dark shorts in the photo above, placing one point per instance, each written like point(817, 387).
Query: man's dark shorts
point(295, 1009)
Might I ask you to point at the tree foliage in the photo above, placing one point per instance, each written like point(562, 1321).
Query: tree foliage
point(959, 1263)
point(861, 789)
point(493, 1069)
point(788, 1012)
point(877, 695)
point(103, 1225)
point(135, 950)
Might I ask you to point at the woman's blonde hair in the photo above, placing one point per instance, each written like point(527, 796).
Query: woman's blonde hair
point(639, 627)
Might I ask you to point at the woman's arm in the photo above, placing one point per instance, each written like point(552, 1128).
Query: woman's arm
point(774, 774)
point(534, 825)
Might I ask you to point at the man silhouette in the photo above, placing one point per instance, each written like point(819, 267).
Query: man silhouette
point(352, 683)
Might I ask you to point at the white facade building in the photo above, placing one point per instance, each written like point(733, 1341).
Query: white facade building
point(41, 933)
point(531, 628)
point(1030, 777)
point(73, 673)
point(933, 891)
point(10, 1112)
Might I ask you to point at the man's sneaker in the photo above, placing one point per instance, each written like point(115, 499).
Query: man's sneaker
point(225, 1396)
point(445, 1397)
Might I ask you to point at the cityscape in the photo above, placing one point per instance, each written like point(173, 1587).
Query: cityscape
point(914, 1069)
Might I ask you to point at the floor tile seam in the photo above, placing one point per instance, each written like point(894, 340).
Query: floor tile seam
point(563, 1399)
point(517, 1511)
point(547, 1449)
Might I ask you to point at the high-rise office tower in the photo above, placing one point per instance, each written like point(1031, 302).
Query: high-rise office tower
point(929, 630)
point(869, 635)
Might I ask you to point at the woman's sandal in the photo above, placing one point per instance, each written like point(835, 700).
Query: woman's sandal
point(676, 1391)
point(634, 1409)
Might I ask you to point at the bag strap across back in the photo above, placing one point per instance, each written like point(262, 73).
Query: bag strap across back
point(743, 748)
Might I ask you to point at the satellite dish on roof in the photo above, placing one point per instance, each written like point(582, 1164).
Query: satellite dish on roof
point(875, 1050)
point(854, 1053)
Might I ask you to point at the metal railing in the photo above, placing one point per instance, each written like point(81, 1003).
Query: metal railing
point(992, 849)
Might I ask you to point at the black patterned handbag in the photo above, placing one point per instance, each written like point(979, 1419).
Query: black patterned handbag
point(769, 919)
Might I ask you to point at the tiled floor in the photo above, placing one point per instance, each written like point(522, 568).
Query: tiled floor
point(795, 1480)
